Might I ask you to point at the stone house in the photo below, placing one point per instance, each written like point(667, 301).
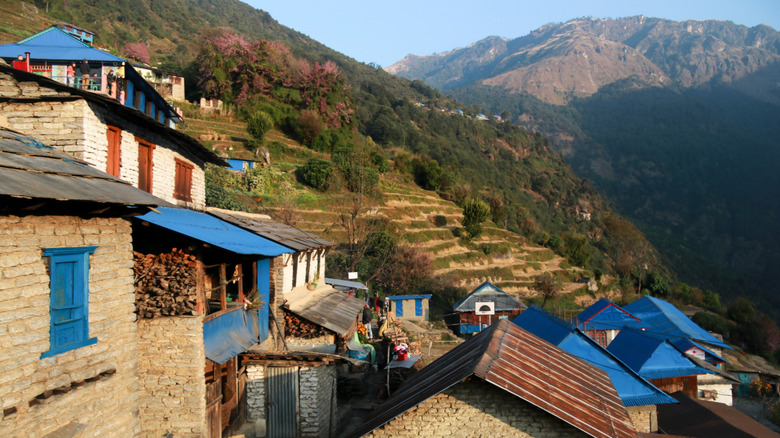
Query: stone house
point(112, 137)
point(69, 349)
point(50, 51)
point(493, 385)
point(413, 307)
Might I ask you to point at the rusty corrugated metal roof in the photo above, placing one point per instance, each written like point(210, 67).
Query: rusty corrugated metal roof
point(526, 366)
point(279, 232)
point(325, 306)
point(31, 170)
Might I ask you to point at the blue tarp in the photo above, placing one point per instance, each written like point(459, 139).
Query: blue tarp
point(230, 334)
point(651, 357)
point(56, 44)
point(214, 231)
point(666, 320)
point(606, 315)
point(632, 388)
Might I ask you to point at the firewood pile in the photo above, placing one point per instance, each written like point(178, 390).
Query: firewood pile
point(297, 327)
point(165, 284)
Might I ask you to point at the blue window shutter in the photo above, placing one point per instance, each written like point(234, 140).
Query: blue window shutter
point(69, 301)
point(418, 307)
point(263, 294)
point(399, 308)
point(129, 94)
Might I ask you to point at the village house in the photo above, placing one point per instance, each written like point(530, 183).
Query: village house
point(69, 348)
point(493, 385)
point(109, 136)
point(51, 51)
point(604, 319)
point(481, 307)
point(638, 395)
point(169, 85)
point(292, 376)
point(412, 307)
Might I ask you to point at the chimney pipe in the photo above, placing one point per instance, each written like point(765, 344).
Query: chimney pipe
point(27, 59)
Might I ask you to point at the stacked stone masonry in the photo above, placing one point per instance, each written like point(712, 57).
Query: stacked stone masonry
point(173, 390)
point(645, 418)
point(92, 388)
point(80, 128)
point(476, 409)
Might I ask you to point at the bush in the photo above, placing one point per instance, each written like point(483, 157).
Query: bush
point(218, 197)
point(315, 173)
point(475, 212)
point(258, 124)
point(440, 220)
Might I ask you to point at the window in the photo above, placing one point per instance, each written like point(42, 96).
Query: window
point(182, 188)
point(113, 160)
point(69, 287)
point(145, 165)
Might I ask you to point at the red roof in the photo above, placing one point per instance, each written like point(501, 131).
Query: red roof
point(526, 366)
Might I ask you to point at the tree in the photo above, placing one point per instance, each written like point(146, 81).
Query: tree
point(315, 173)
point(547, 286)
point(137, 51)
point(258, 124)
point(475, 212)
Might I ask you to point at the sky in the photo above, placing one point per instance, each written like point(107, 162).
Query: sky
point(384, 31)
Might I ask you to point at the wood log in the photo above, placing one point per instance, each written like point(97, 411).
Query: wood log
point(165, 284)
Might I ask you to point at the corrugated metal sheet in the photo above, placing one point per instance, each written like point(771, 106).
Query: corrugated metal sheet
point(214, 231)
point(652, 358)
point(669, 321)
point(487, 291)
point(29, 169)
point(282, 402)
point(526, 366)
point(55, 43)
point(630, 386)
point(409, 297)
point(325, 306)
point(278, 232)
point(606, 315)
point(230, 334)
point(685, 344)
point(345, 283)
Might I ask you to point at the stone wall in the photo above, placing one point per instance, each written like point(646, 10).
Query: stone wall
point(92, 390)
point(645, 418)
point(79, 128)
point(316, 400)
point(475, 408)
point(171, 367)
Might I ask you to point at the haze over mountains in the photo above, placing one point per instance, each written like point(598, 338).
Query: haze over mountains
point(676, 122)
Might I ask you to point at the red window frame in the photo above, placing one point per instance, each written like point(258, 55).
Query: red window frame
point(182, 188)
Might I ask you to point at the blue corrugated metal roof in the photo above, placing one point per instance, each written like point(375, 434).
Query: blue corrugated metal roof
point(666, 320)
point(685, 344)
point(345, 283)
point(55, 44)
point(630, 386)
point(214, 231)
point(606, 315)
point(409, 297)
point(487, 291)
point(230, 334)
point(651, 357)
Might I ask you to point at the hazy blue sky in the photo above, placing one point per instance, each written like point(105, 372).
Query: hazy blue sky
point(384, 31)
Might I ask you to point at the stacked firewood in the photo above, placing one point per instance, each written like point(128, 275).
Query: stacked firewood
point(165, 284)
point(297, 327)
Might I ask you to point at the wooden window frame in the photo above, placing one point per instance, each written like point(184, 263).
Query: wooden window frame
point(182, 186)
point(148, 169)
point(68, 270)
point(114, 151)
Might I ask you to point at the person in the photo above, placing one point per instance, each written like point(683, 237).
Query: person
point(120, 88)
point(71, 74)
point(94, 85)
point(111, 83)
point(368, 315)
point(21, 63)
point(84, 68)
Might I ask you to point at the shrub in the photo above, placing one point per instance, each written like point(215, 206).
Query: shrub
point(440, 220)
point(258, 124)
point(218, 197)
point(475, 212)
point(315, 173)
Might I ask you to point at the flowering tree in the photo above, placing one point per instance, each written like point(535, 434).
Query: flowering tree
point(235, 70)
point(137, 51)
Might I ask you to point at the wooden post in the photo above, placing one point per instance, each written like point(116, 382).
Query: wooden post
point(222, 286)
